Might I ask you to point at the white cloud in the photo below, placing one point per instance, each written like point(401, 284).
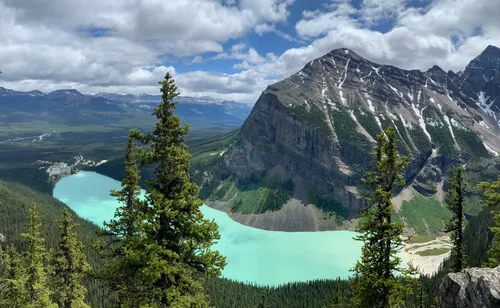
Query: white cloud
point(197, 59)
point(251, 56)
point(48, 46)
point(420, 38)
point(374, 11)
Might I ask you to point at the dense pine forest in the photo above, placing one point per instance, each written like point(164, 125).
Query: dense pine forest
point(156, 252)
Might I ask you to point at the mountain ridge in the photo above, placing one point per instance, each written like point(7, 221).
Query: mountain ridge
point(71, 107)
point(318, 127)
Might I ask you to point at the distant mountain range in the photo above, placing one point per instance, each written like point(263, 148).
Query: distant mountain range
point(230, 112)
point(70, 107)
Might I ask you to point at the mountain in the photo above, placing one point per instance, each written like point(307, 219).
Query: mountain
point(189, 108)
point(44, 112)
point(309, 137)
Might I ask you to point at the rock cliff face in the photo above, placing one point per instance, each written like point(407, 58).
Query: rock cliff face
point(475, 287)
point(320, 124)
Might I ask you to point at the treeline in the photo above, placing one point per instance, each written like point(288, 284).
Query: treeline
point(225, 293)
point(36, 277)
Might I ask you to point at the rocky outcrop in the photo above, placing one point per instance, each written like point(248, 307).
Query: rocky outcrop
point(475, 287)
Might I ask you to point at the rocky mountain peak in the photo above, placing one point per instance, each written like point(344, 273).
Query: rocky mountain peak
point(65, 92)
point(319, 125)
point(482, 75)
point(487, 63)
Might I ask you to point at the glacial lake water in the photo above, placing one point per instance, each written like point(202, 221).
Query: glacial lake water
point(253, 255)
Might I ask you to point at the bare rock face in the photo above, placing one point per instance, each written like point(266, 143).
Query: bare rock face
point(320, 124)
point(475, 287)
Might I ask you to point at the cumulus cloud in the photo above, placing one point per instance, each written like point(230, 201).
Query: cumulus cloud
point(120, 43)
point(448, 33)
point(127, 45)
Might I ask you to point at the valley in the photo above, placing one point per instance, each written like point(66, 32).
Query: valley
point(250, 154)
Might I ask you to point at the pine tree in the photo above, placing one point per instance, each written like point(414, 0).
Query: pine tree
point(456, 224)
point(70, 267)
point(128, 196)
point(37, 286)
point(375, 284)
point(177, 258)
point(122, 237)
point(13, 292)
point(263, 300)
point(339, 300)
point(491, 190)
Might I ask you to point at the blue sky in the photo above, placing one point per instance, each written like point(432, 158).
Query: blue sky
point(225, 48)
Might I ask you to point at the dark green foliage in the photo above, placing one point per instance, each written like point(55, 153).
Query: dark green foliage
point(491, 192)
point(121, 237)
point(70, 267)
point(263, 300)
point(35, 265)
point(28, 175)
point(403, 135)
point(456, 225)
point(226, 293)
point(173, 246)
point(368, 122)
point(352, 143)
point(327, 204)
point(441, 136)
point(419, 138)
point(313, 116)
point(13, 278)
point(258, 196)
point(15, 201)
point(345, 127)
point(421, 210)
point(470, 143)
point(375, 283)
point(401, 145)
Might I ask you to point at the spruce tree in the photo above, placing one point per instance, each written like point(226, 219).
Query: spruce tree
point(70, 267)
point(263, 299)
point(13, 292)
point(176, 257)
point(122, 239)
point(339, 300)
point(128, 196)
point(491, 190)
point(376, 284)
point(456, 224)
point(35, 261)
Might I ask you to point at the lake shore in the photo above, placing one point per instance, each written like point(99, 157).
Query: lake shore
point(427, 255)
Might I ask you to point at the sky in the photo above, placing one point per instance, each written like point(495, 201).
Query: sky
point(227, 49)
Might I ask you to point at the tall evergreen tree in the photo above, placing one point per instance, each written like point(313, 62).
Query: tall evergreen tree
point(456, 224)
point(128, 196)
point(70, 267)
point(339, 299)
point(376, 284)
point(122, 239)
point(176, 255)
point(263, 299)
point(35, 258)
point(13, 279)
point(491, 190)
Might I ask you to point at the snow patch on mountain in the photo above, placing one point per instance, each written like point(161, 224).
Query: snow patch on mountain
point(421, 121)
point(495, 153)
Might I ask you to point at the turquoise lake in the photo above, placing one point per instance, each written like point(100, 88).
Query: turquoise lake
point(253, 255)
